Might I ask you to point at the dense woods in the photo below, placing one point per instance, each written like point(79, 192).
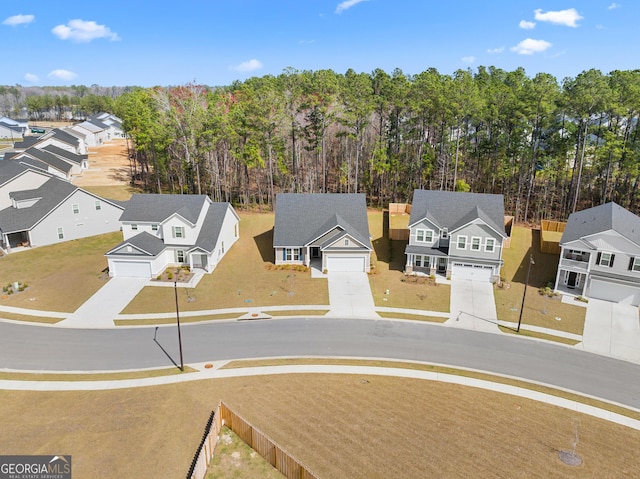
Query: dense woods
point(550, 147)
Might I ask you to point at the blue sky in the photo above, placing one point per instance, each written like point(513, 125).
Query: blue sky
point(216, 42)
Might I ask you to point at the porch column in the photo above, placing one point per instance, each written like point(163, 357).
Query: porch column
point(555, 286)
point(409, 266)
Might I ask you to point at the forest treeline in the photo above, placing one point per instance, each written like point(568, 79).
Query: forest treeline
point(550, 147)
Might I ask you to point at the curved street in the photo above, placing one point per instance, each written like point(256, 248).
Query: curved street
point(28, 347)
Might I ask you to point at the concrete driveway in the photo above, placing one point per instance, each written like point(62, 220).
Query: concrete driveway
point(103, 307)
point(473, 306)
point(612, 329)
point(350, 295)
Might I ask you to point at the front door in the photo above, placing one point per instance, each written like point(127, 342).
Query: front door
point(442, 265)
point(315, 252)
point(572, 280)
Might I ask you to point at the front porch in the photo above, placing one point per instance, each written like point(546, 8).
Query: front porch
point(19, 240)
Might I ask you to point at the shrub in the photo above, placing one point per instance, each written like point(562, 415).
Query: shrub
point(169, 275)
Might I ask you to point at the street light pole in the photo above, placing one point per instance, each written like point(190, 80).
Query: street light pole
point(175, 289)
point(524, 295)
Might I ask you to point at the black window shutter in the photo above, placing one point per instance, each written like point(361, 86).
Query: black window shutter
point(598, 258)
point(631, 260)
point(611, 262)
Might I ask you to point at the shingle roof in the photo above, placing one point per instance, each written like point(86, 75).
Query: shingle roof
point(47, 158)
point(65, 137)
point(144, 241)
point(609, 216)
point(156, 208)
point(303, 217)
point(56, 150)
point(451, 209)
point(27, 142)
point(10, 169)
point(51, 194)
point(212, 226)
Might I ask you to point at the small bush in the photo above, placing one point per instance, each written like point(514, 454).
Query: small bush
point(169, 275)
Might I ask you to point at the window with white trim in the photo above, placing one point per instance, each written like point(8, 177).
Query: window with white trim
point(76, 208)
point(154, 227)
point(424, 236)
point(421, 261)
point(60, 232)
point(179, 256)
point(134, 227)
point(490, 245)
point(462, 242)
point(475, 243)
point(98, 205)
point(605, 259)
point(292, 254)
point(634, 264)
point(178, 231)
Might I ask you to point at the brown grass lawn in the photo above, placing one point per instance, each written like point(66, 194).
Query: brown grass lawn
point(113, 192)
point(389, 261)
point(241, 279)
point(538, 310)
point(338, 425)
point(60, 277)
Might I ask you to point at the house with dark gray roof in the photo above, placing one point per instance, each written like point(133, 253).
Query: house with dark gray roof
point(45, 160)
point(54, 212)
point(329, 228)
point(61, 138)
point(172, 230)
point(600, 255)
point(11, 131)
point(459, 235)
point(15, 176)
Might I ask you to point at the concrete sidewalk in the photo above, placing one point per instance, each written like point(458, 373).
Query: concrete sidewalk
point(473, 306)
point(216, 373)
point(105, 305)
point(350, 295)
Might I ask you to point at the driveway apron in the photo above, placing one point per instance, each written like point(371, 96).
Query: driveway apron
point(473, 306)
point(350, 295)
point(103, 307)
point(612, 329)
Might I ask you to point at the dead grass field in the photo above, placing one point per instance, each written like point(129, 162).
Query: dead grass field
point(242, 279)
point(60, 277)
point(538, 310)
point(340, 426)
point(389, 260)
point(108, 166)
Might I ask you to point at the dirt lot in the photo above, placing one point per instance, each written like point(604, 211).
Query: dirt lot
point(338, 425)
point(108, 165)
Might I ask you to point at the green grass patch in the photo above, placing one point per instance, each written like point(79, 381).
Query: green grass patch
point(413, 317)
point(241, 280)
point(534, 334)
point(29, 318)
point(298, 312)
point(539, 310)
point(60, 277)
point(172, 319)
point(254, 363)
point(152, 373)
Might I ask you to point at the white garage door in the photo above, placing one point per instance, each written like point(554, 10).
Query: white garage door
point(131, 269)
point(474, 272)
point(345, 264)
point(617, 293)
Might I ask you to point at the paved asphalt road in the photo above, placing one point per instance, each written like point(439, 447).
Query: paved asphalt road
point(37, 348)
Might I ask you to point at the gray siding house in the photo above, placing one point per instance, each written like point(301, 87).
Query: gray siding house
point(600, 255)
point(459, 235)
point(172, 230)
point(55, 212)
point(331, 229)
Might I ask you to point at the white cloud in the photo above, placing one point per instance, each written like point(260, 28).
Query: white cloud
point(567, 17)
point(19, 20)
point(495, 50)
point(525, 25)
point(530, 46)
point(613, 6)
point(61, 74)
point(83, 31)
point(469, 59)
point(347, 4)
point(31, 78)
point(247, 66)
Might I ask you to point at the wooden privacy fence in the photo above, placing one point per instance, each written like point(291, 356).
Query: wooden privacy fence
point(550, 236)
point(286, 464)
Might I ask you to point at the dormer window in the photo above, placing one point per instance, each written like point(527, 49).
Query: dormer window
point(445, 233)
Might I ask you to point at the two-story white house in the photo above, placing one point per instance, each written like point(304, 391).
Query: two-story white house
point(600, 255)
point(459, 235)
point(172, 230)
